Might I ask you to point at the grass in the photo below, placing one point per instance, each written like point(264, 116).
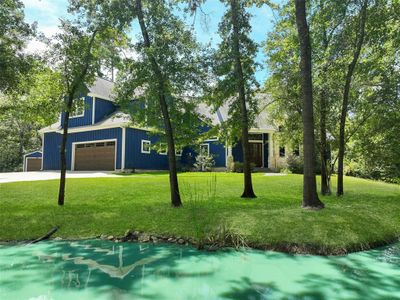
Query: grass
point(368, 215)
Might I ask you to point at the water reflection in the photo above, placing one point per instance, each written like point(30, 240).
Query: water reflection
point(107, 270)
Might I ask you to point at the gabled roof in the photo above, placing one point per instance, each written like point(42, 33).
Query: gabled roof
point(262, 121)
point(102, 88)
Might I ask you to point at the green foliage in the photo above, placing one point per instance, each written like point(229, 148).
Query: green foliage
point(373, 96)
point(84, 43)
point(34, 104)
point(225, 89)
point(177, 54)
point(14, 35)
point(295, 164)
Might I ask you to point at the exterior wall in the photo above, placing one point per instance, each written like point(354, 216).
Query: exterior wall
point(52, 143)
point(86, 119)
point(135, 159)
point(217, 150)
point(103, 108)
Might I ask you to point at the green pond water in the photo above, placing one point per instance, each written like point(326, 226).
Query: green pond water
point(106, 270)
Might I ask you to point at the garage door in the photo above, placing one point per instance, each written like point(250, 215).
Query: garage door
point(33, 164)
point(95, 156)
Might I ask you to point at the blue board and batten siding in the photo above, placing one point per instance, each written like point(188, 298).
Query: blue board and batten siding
point(135, 159)
point(52, 142)
point(218, 152)
point(84, 120)
point(103, 108)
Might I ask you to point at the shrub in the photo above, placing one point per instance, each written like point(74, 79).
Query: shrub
point(295, 164)
point(238, 167)
point(203, 163)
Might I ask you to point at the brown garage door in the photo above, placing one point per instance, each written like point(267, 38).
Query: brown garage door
point(33, 164)
point(95, 156)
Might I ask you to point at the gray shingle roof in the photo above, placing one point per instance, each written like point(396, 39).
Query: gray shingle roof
point(102, 88)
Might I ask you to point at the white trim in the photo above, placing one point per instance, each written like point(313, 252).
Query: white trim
point(212, 140)
point(208, 148)
point(177, 151)
point(123, 148)
point(263, 146)
point(257, 130)
point(93, 142)
point(255, 141)
point(79, 115)
point(24, 157)
point(166, 149)
point(100, 96)
point(25, 168)
point(141, 146)
point(42, 150)
point(93, 109)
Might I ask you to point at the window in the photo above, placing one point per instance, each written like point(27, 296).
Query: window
point(204, 149)
point(163, 149)
point(78, 109)
point(178, 152)
point(146, 146)
point(282, 151)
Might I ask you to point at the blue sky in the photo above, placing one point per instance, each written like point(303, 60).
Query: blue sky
point(48, 12)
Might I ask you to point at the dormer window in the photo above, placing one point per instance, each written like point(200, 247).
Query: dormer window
point(78, 109)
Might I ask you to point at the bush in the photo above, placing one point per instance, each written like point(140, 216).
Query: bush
point(295, 164)
point(203, 163)
point(238, 167)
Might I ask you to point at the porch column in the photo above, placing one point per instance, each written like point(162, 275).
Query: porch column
point(271, 163)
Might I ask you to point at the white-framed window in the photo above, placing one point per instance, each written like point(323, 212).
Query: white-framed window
point(78, 108)
point(145, 146)
point(178, 152)
point(163, 149)
point(205, 149)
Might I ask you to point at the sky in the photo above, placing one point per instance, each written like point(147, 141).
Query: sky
point(48, 12)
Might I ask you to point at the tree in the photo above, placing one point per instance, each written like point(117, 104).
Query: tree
point(31, 105)
point(234, 68)
point(163, 80)
point(77, 52)
point(14, 34)
point(310, 196)
point(346, 93)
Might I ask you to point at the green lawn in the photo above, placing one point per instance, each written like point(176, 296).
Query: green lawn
point(368, 214)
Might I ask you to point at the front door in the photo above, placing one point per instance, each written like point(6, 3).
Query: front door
point(256, 154)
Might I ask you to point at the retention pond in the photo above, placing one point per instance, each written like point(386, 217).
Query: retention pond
point(96, 269)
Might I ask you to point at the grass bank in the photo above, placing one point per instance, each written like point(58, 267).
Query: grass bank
point(367, 216)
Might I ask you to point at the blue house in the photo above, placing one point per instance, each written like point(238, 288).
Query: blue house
point(102, 138)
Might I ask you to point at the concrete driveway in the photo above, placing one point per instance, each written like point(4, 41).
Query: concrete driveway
point(47, 175)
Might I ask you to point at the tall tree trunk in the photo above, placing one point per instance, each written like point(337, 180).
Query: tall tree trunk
point(63, 160)
point(325, 178)
point(71, 94)
point(345, 101)
point(248, 185)
point(310, 196)
point(173, 177)
point(325, 175)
